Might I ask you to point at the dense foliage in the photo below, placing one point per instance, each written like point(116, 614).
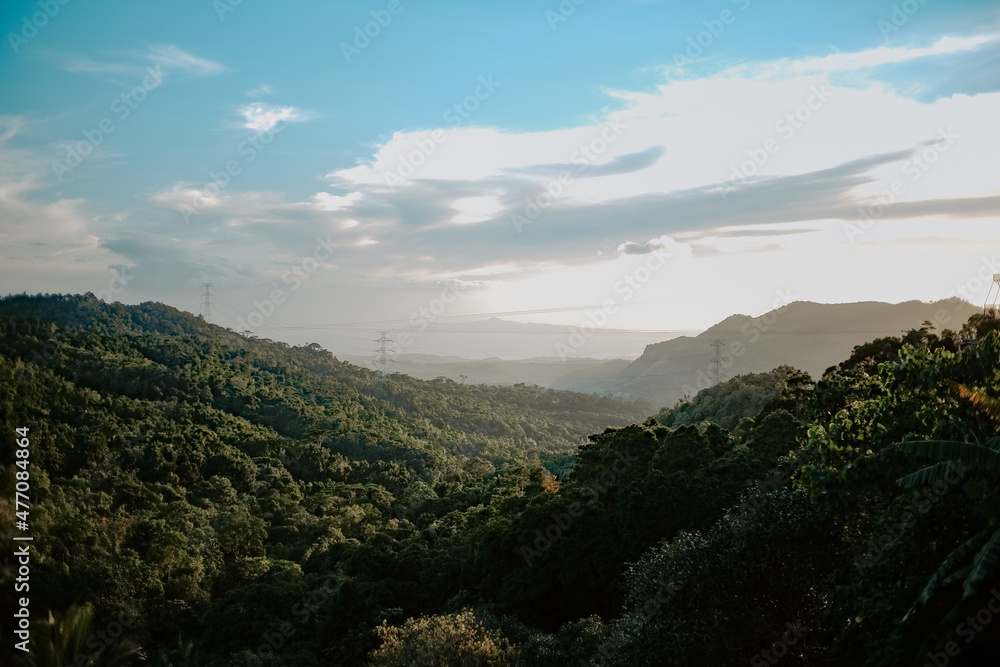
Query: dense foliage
point(728, 402)
point(233, 501)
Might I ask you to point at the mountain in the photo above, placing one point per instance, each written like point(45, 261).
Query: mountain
point(569, 373)
point(805, 335)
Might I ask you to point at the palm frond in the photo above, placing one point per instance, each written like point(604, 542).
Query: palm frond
point(928, 475)
point(985, 564)
point(955, 576)
point(960, 553)
point(62, 639)
point(981, 459)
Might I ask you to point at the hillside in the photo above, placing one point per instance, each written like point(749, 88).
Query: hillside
point(243, 502)
point(152, 352)
point(808, 336)
point(249, 461)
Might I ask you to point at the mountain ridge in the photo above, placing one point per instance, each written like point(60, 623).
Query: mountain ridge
point(807, 335)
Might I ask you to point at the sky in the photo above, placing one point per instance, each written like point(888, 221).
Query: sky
point(334, 168)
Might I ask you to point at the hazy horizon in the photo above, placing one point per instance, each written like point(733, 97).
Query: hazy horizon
point(633, 166)
point(486, 337)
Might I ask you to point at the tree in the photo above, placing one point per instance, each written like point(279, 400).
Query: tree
point(981, 324)
point(63, 638)
point(452, 640)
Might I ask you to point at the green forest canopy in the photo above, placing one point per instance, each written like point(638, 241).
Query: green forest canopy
point(245, 502)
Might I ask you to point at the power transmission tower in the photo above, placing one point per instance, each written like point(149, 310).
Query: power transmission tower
point(206, 306)
point(991, 308)
point(382, 353)
point(717, 375)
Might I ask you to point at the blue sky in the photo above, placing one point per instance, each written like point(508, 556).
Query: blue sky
point(679, 121)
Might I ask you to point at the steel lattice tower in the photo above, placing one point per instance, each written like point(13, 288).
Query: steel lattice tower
point(382, 355)
point(717, 373)
point(206, 306)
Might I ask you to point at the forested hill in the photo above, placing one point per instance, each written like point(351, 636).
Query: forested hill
point(201, 461)
point(198, 499)
point(157, 354)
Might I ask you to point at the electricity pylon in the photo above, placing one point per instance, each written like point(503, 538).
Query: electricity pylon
point(717, 374)
point(382, 355)
point(206, 306)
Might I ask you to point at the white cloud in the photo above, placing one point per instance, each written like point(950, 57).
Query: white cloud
point(814, 120)
point(580, 246)
point(475, 209)
point(205, 199)
point(193, 195)
point(327, 202)
point(261, 117)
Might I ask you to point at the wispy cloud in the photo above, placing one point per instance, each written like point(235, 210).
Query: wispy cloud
point(173, 58)
point(858, 60)
point(262, 89)
point(169, 57)
point(82, 64)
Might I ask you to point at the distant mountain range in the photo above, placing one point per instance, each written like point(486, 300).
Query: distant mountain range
point(497, 338)
point(809, 336)
point(543, 371)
